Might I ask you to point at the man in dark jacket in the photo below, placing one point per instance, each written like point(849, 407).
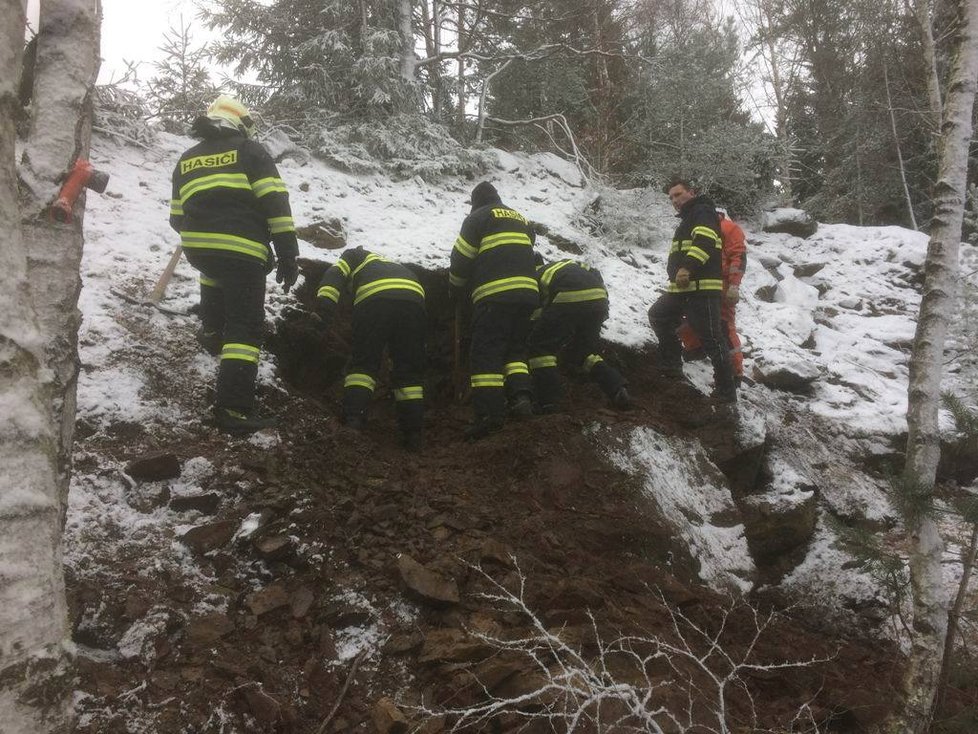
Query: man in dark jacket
point(573, 308)
point(493, 261)
point(388, 311)
point(228, 202)
point(695, 275)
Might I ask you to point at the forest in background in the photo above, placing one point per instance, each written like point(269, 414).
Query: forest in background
point(831, 107)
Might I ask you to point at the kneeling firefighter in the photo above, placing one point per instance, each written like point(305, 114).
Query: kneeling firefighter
point(228, 203)
point(388, 311)
point(574, 307)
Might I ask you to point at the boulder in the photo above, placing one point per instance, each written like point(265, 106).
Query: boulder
point(328, 234)
point(428, 585)
point(205, 538)
point(388, 718)
point(784, 369)
point(154, 467)
point(206, 504)
point(795, 222)
point(267, 600)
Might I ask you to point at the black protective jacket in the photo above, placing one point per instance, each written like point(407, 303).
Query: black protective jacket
point(228, 199)
point(697, 246)
point(367, 276)
point(493, 255)
point(567, 281)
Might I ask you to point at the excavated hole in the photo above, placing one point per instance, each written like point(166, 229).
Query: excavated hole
point(312, 361)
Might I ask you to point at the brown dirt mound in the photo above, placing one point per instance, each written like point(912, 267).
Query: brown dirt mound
point(340, 515)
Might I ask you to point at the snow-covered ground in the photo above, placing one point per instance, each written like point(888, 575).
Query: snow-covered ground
point(838, 306)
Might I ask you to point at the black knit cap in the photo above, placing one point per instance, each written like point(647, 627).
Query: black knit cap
point(484, 193)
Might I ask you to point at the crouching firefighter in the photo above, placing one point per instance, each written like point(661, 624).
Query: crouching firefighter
point(388, 311)
point(492, 260)
point(574, 307)
point(228, 202)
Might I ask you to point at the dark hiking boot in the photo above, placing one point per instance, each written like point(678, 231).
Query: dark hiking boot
point(622, 400)
point(521, 407)
point(412, 441)
point(240, 422)
point(482, 427)
point(548, 409)
point(694, 355)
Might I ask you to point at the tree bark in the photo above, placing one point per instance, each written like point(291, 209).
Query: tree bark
point(408, 58)
point(39, 284)
point(936, 307)
point(922, 11)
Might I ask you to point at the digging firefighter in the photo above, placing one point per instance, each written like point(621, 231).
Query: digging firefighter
point(734, 259)
point(388, 311)
point(228, 202)
point(695, 286)
point(573, 308)
point(492, 262)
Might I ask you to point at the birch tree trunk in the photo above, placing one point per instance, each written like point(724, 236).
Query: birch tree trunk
point(922, 11)
point(408, 58)
point(38, 360)
point(936, 307)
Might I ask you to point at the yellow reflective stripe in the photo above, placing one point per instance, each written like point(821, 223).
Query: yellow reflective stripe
point(328, 291)
point(707, 232)
point(515, 368)
point(209, 282)
point(698, 254)
point(214, 181)
point(277, 225)
point(227, 242)
point(505, 284)
point(344, 267)
point(358, 379)
point(387, 284)
point(456, 281)
point(464, 248)
point(592, 359)
point(538, 363)
point(366, 261)
point(549, 273)
point(176, 207)
point(244, 352)
point(504, 238)
point(489, 379)
point(707, 284)
point(415, 392)
point(537, 313)
point(269, 185)
point(587, 294)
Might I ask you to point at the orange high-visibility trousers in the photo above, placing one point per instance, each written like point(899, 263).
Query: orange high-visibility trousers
point(691, 342)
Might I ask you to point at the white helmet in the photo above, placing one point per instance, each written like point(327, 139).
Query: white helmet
point(228, 112)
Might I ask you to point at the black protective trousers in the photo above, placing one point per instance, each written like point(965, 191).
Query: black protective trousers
point(572, 333)
point(702, 312)
point(497, 357)
point(232, 305)
point(399, 326)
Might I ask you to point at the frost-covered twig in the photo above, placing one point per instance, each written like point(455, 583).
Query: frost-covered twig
point(629, 683)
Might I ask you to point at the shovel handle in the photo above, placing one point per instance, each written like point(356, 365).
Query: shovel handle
point(157, 295)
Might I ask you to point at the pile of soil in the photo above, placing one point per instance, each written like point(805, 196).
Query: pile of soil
point(412, 552)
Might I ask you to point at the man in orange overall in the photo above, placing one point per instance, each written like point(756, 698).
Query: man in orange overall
point(734, 261)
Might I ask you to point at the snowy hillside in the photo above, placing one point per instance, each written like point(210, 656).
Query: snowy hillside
point(827, 324)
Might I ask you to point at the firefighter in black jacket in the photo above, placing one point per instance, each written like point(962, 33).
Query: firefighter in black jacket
point(388, 311)
point(493, 261)
point(695, 275)
point(228, 202)
point(574, 307)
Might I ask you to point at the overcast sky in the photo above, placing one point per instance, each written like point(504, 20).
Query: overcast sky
point(132, 30)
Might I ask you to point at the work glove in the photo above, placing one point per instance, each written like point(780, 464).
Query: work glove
point(286, 273)
point(733, 294)
point(682, 278)
point(323, 313)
